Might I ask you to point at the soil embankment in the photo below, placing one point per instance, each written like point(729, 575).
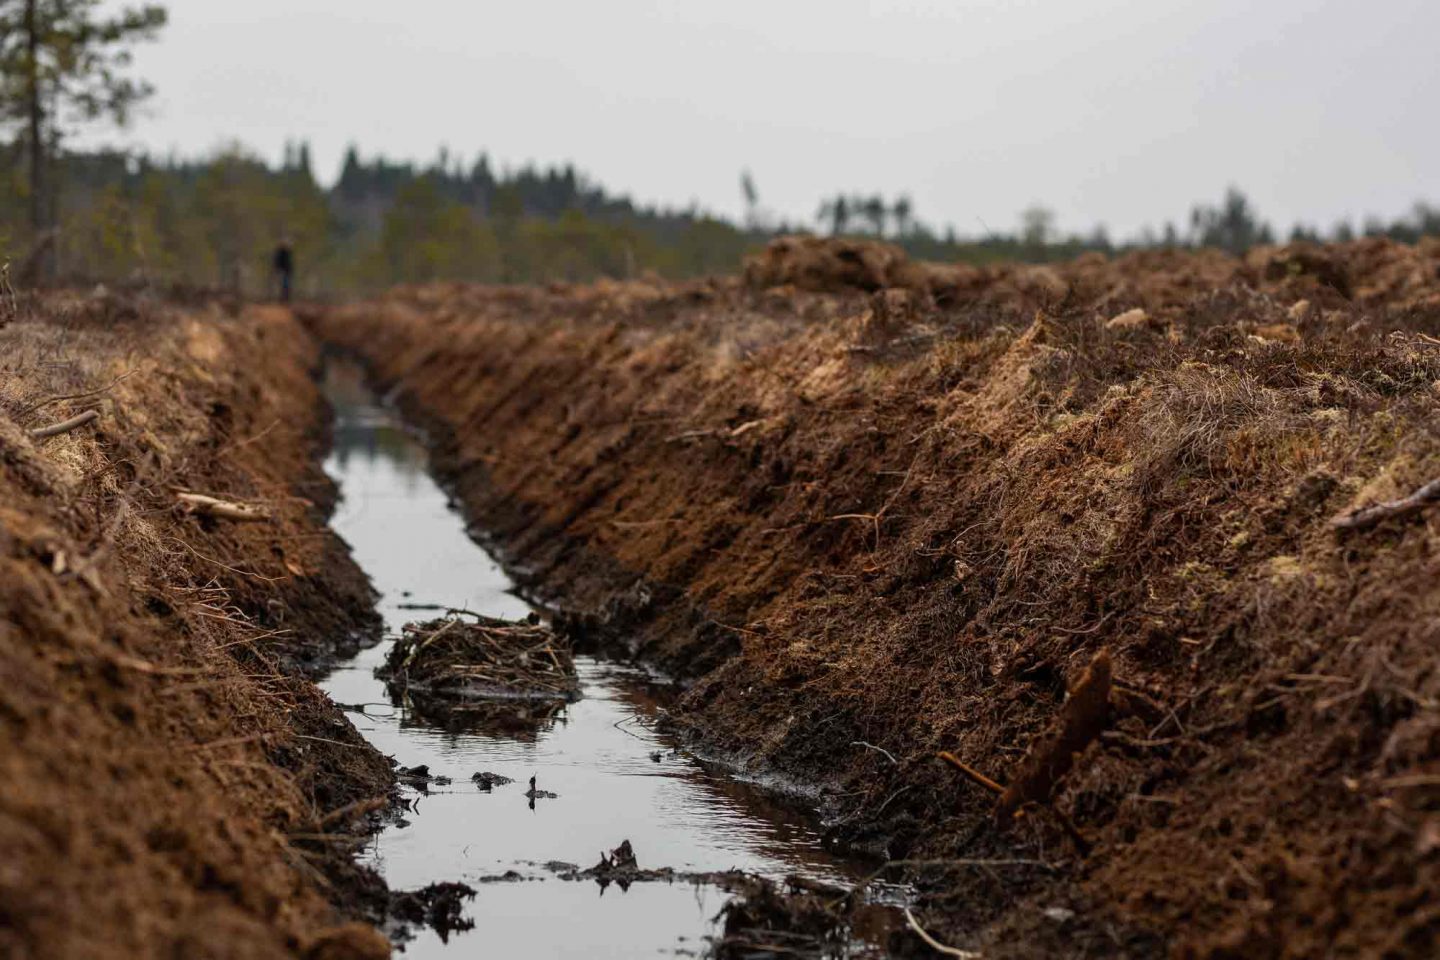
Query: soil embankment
point(172, 784)
point(878, 510)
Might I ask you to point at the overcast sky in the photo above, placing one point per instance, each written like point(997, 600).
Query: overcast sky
point(1106, 111)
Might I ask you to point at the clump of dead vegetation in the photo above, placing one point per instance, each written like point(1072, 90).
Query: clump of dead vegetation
point(465, 658)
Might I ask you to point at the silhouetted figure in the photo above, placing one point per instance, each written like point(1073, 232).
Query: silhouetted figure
point(285, 268)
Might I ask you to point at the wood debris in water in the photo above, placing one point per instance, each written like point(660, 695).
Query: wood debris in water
point(481, 659)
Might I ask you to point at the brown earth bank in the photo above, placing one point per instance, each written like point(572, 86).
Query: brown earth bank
point(876, 510)
point(170, 783)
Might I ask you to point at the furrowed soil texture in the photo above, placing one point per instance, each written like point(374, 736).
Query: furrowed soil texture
point(170, 783)
point(1073, 526)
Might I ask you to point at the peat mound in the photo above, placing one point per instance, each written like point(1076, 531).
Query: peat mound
point(1148, 544)
point(172, 783)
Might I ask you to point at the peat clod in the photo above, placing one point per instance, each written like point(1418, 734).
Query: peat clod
point(826, 263)
point(420, 778)
point(452, 662)
point(621, 858)
point(621, 867)
point(488, 781)
point(509, 876)
point(440, 906)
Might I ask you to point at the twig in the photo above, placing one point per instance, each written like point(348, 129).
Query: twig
point(934, 944)
point(1371, 515)
point(969, 771)
point(1088, 630)
point(623, 720)
point(1070, 829)
point(870, 746)
point(236, 446)
point(226, 566)
point(65, 426)
point(338, 743)
point(73, 396)
point(690, 435)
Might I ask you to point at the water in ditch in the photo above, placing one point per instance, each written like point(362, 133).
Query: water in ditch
point(616, 779)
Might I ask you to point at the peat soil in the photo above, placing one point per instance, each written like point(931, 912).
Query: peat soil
point(171, 783)
point(876, 510)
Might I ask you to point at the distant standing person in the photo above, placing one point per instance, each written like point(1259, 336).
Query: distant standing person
point(285, 268)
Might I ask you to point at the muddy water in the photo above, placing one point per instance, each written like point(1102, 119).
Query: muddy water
point(616, 779)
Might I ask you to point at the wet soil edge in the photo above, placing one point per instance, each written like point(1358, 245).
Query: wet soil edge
point(193, 781)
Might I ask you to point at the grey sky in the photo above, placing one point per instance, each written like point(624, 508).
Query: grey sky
point(1107, 111)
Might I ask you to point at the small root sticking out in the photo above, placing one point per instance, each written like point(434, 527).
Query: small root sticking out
point(1083, 719)
point(65, 426)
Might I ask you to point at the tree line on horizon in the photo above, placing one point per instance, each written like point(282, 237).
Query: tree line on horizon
point(214, 222)
point(1232, 225)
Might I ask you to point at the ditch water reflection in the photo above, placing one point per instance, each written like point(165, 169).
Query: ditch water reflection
point(615, 778)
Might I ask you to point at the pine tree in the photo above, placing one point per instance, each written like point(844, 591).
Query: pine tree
point(63, 62)
point(903, 211)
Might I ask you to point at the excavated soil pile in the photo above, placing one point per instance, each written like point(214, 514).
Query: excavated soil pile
point(879, 510)
point(171, 784)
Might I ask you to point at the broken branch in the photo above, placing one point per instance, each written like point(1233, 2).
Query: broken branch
point(224, 509)
point(1371, 515)
point(65, 426)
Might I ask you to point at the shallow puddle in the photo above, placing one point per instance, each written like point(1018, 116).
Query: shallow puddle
point(616, 779)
